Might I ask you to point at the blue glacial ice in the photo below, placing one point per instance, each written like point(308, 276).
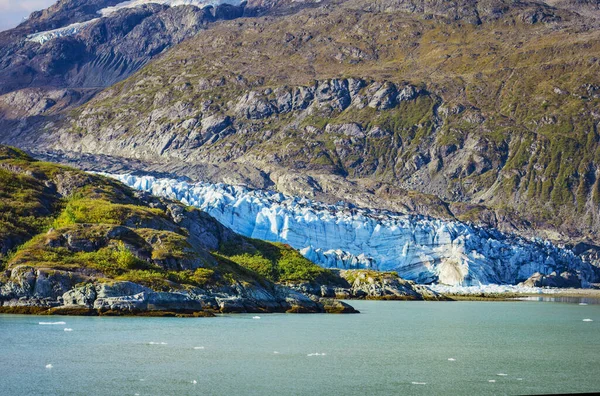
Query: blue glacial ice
point(419, 248)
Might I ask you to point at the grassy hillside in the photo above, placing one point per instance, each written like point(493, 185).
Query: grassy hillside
point(58, 218)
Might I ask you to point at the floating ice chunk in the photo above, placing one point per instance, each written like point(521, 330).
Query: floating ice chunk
point(275, 352)
point(582, 303)
point(68, 329)
point(199, 347)
point(157, 343)
point(316, 354)
point(142, 379)
point(588, 320)
point(194, 382)
point(502, 375)
point(53, 323)
point(49, 366)
point(519, 379)
point(419, 383)
point(451, 360)
point(492, 381)
point(256, 317)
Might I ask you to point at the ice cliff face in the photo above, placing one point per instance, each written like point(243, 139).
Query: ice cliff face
point(418, 248)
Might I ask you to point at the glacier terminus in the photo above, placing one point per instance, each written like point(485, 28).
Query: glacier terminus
point(419, 248)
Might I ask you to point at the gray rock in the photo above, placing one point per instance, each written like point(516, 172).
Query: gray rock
point(125, 303)
point(172, 302)
point(82, 296)
point(118, 289)
point(214, 124)
point(564, 280)
point(385, 97)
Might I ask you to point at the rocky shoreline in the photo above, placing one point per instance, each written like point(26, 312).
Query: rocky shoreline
point(38, 292)
point(26, 290)
point(42, 291)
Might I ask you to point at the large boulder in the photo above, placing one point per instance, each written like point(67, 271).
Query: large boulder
point(564, 280)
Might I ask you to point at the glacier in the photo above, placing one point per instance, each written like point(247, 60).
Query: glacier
point(419, 248)
point(70, 30)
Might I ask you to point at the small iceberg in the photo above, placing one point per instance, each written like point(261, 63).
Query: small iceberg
point(491, 381)
point(502, 375)
point(451, 360)
point(582, 303)
point(256, 317)
point(49, 366)
point(316, 354)
point(275, 352)
point(519, 379)
point(68, 329)
point(194, 382)
point(52, 323)
point(157, 343)
point(419, 383)
point(588, 320)
point(198, 348)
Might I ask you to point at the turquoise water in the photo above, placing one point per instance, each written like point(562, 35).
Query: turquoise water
point(391, 348)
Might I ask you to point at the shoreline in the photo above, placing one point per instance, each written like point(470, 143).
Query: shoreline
point(448, 297)
point(515, 295)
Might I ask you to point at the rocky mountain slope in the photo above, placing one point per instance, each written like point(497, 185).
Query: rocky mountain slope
point(72, 45)
point(482, 111)
point(71, 242)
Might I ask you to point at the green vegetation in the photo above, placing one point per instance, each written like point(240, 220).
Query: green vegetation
point(98, 211)
point(352, 276)
point(275, 261)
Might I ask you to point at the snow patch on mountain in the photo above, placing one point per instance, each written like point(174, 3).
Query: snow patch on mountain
point(172, 3)
point(70, 30)
point(339, 236)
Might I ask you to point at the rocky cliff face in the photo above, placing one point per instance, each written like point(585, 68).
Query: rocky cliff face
point(62, 292)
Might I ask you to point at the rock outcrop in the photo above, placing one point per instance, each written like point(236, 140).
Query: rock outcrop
point(564, 280)
point(74, 290)
point(368, 285)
